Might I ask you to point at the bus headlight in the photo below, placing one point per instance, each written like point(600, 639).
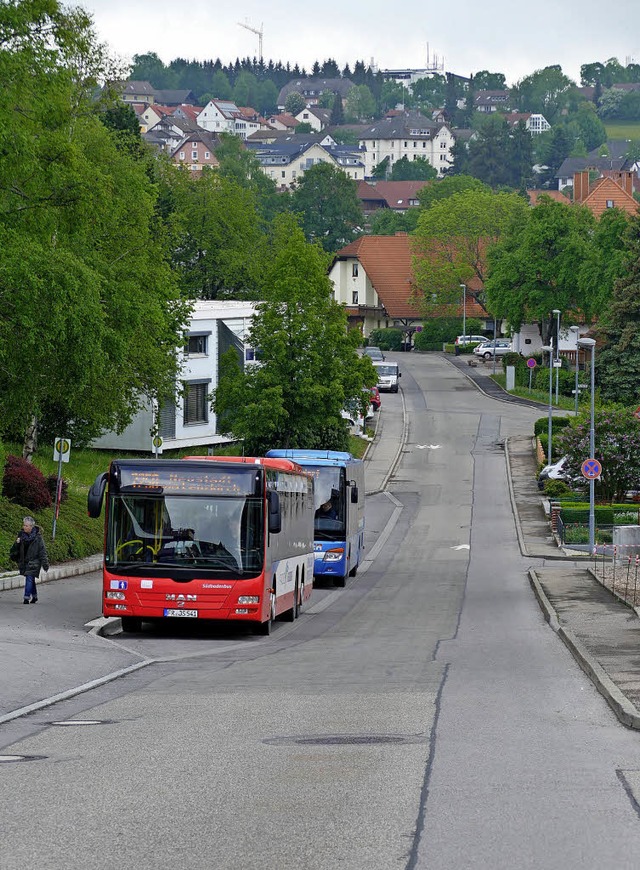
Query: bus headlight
point(334, 555)
point(119, 596)
point(249, 599)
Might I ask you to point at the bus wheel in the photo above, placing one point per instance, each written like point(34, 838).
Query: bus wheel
point(264, 628)
point(340, 581)
point(353, 571)
point(292, 615)
point(131, 624)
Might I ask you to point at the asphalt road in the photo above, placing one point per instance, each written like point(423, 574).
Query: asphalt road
point(423, 717)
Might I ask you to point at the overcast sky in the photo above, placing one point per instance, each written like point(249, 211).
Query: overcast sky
point(506, 36)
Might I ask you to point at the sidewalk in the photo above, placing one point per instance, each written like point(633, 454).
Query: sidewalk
point(599, 628)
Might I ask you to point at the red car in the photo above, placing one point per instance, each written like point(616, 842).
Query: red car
point(376, 401)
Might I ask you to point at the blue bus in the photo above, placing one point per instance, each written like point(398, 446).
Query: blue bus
point(339, 510)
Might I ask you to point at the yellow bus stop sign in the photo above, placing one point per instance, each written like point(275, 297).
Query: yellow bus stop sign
point(61, 450)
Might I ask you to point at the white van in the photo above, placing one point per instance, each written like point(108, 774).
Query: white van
point(388, 374)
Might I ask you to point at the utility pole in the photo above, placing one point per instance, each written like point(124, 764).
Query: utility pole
point(258, 33)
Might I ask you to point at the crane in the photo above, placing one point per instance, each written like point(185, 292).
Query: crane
point(258, 33)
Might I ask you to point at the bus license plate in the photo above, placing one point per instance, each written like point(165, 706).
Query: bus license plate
point(189, 613)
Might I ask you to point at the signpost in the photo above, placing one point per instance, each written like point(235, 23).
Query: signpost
point(591, 469)
point(156, 443)
point(531, 364)
point(61, 453)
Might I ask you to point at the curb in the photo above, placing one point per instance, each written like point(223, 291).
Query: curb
point(624, 710)
point(401, 445)
point(13, 580)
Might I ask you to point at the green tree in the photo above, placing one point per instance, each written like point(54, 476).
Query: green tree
point(429, 93)
point(413, 170)
point(295, 103)
point(536, 267)
point(240, 164)
point(360, 105)
point(309, 369)
point(448, 186)
point(90, 309)
point(451, 241)
point(337, 111)
point(618, 361)
point(220, 87)
point(546, 91)
point(488, 81)
point(267, 97)
point(304, 127)
point(330, 210)
point(387, 222)
point(219, 236)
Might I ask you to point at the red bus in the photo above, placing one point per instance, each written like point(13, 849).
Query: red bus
point(221, 538)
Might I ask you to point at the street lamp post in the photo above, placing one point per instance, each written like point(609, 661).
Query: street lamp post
point(549, 349)
point(590, 343)
point(576, 330)
point(464, 313)
point(556, 311)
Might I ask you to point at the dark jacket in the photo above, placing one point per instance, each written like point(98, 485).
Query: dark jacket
point(29, 551)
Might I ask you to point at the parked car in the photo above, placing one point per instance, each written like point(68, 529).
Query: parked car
point(375, 353)
point(388, 375)
point(470, 339)
point(376, 399)
point(498, 346)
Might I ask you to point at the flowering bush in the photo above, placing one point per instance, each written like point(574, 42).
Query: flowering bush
point(25, 484)
point(617, 448)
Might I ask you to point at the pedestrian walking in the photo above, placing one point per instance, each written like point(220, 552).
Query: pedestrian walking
point(29, 551)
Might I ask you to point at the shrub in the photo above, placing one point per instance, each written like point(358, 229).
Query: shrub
point(25, 484)
point(556, 488)
point(422, 341)
point(386, 339)
point(541, 426)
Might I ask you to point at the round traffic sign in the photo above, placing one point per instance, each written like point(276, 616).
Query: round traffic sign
point(62, 445)
point(531, 363)
point(591, 469)
point(157, 441)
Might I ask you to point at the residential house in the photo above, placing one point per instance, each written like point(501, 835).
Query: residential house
point(396, 195)
point(313, 88)
point(186, 419)
point(412, 136)
point(612, 190)
point(175, 98)
point(534, 122)
point(286, 160)
point(136, 92)
point(317, 118)
point(219, 116)
point(283, 121)
point(615, 160)
point(168, 133)
point(491, 101)
point(196, 151)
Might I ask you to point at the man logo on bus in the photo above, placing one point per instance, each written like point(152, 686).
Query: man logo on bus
point(180, 599)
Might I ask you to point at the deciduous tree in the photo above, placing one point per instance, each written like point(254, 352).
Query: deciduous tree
point(327, 201)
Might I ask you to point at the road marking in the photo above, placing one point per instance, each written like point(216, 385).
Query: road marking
point(427, 447)
point(461, 547)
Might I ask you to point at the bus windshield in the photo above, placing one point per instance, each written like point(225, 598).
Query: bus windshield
point(223, 535)
point(329, 491)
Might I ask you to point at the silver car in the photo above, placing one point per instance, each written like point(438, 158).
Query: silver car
point(497, 347)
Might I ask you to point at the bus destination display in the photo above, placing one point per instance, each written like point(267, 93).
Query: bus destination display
point(189, 481)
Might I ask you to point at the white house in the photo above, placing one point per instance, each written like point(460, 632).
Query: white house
point(219, 116)
point(412, 136)
point(187, 420)
point(287, 161)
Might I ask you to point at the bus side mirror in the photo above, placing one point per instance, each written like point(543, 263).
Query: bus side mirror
point(275, 518)
point(354, 495)
point(96, 494)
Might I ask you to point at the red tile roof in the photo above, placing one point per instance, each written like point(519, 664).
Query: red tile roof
point(387, 262)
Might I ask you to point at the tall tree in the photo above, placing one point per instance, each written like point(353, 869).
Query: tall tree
point(329, 206)
point(452, 238)
point(413, 170)
point(546, 91)
point(537, 266)
point(90, 309)
point(360, 105)
point(309, 369)
point(618, 361)
point(488, 81)
point(337, 111)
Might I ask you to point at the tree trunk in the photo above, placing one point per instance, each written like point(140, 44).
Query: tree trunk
point(30, 442)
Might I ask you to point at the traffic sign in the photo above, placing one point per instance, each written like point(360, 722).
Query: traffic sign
point(531, 363)
point(61, 450)
point(557, 363)
point(591, 469)
point(156, 443)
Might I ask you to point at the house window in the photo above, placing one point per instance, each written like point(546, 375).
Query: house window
point(406, 144)
point(354, 270)
point(196, 407)
point(354, 297)
point(194, 155)
point(610, 203)
point(181, 155)
point(194, 144)
point(197, 344)
point(284, 174)
point(206, 155)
